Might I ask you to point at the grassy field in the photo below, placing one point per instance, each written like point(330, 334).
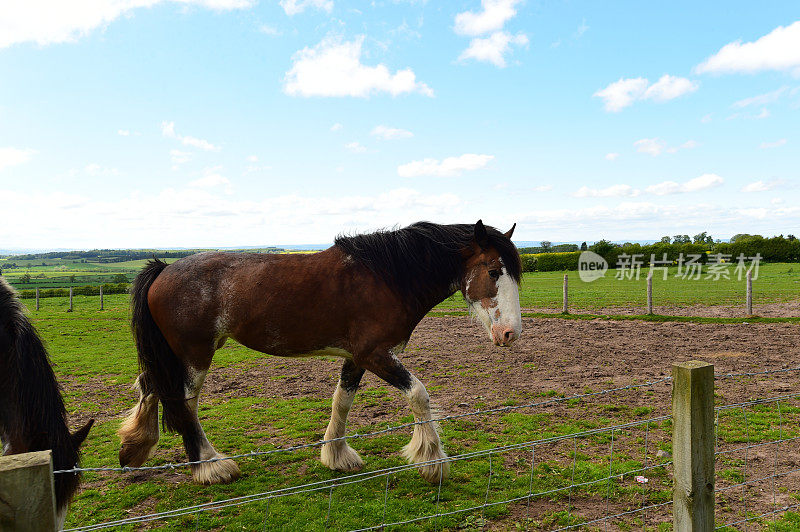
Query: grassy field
point(776, 283)
point(59, 273)
point(95, 360)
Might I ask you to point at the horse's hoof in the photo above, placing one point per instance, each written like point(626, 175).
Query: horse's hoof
point(134, 455)
point(419, 451)
point(340, 457)
point(219, 472)
point(435, 473)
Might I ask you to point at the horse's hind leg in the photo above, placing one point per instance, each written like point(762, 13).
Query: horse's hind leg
point(337, 454)
point(425, 445)
point(139, 431)
point(196, 443)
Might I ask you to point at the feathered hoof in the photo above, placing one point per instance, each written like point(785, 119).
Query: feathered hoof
point(220, 472)
point(135, 454)
point(419, 451)
point(340, 457)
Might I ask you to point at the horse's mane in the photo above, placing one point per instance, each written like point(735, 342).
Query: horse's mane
point(423, 258)
point(31, 407)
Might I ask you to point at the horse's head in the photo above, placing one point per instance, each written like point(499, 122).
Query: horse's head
point(491, 275)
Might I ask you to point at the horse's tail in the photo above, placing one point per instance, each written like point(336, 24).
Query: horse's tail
point(37, 416)
point(162, 372)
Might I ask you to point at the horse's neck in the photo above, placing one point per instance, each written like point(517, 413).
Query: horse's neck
point(433, 299)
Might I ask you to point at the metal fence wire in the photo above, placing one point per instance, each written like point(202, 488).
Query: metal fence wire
point(605, 478)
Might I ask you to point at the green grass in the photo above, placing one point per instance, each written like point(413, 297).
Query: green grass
point(778, 282)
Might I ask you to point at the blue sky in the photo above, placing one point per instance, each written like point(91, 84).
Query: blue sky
point(148, 123)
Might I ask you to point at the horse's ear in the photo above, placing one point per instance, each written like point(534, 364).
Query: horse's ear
point(79, 435)
point(480, 235)
point(510, 232)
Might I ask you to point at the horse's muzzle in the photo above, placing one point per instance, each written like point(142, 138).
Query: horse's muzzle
point(504, 336)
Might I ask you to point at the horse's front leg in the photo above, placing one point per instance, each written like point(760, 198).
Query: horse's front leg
point(337, 454)
point(425, 445)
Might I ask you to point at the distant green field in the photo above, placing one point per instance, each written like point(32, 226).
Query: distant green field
point(778, 282)
point(59, 273)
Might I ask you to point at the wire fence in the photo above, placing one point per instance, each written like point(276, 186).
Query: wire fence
point(601, 477)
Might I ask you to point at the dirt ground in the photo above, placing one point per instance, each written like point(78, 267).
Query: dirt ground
point(464, 372)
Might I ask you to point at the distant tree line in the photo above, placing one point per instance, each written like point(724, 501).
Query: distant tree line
point(774, 249)
point(106, 256)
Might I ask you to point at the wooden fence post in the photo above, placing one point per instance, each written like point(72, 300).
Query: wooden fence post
point(749, 292)
point(650, 293)
point(101, 297)
point(693, 446)
point(27, 498)
point(565, 310)
point(37, 298)
point(70, 299)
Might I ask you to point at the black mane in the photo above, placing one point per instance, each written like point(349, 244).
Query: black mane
point(424, 259)
point(31, 407)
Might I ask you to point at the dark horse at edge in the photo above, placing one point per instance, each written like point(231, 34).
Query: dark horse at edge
point(32, 413)
point(359, 300)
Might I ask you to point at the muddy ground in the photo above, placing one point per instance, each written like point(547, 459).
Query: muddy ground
point(465, 372)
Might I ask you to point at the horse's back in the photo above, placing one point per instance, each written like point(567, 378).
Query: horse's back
point(279, 304)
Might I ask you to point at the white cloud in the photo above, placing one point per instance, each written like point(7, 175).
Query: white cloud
point(451, 166)
point(336, 127)
point(761, 99)
point(656, 146)
point(272, 31)
point(333, 68)
point(762, 186)
point(123, 132)
point(168, 130)
point(252, 158)
point(622, 93)
point(293, 7)
point(179, 157)
point(493, 17)
point(542, 188)
point(706, 118)
point(14, 156)
point(494, 48)
point(668, 88)
point(390, 133)
point(778, 50)
point(612, 156)
point(614, 191)
point(702, 182)
point(94, 170)
point(652, 147)
point(56, 21)
point(212, 179)
point(583, 28)
point(355, 147)
point(204, 216)
point(625, 91)
point(776, 144)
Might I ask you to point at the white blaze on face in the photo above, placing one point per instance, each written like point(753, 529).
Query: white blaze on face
point(502, 312)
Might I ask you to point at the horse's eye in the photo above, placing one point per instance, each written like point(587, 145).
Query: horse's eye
point(494, 274)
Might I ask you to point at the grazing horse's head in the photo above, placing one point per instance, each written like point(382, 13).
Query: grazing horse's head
point(490, 286)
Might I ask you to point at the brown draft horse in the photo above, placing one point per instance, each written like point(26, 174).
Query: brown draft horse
point(32, 413)
point(360, 300)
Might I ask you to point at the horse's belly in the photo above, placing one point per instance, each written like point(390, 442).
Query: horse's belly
point(325, 352)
